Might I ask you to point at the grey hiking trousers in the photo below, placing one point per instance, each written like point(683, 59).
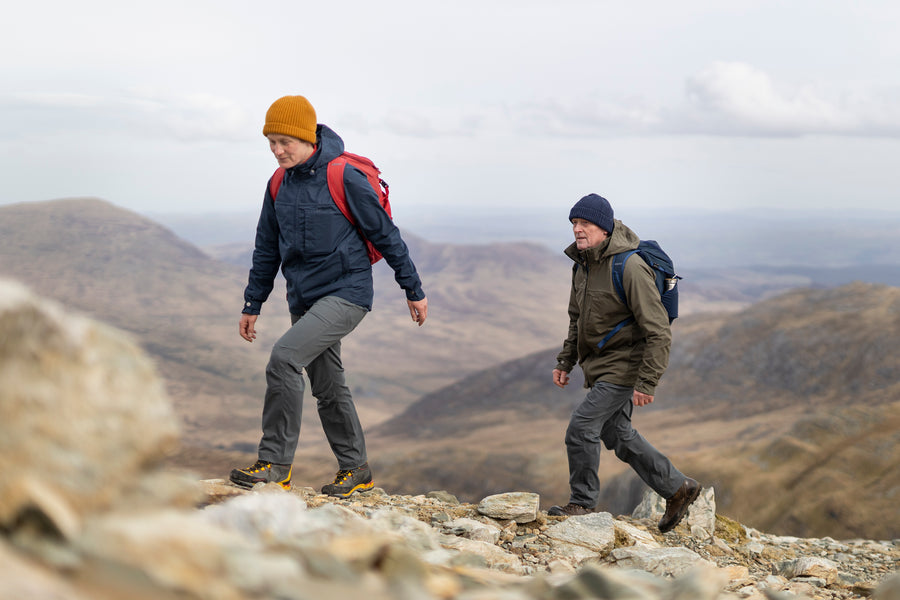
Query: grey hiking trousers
point(605, 416)
point(313, 343)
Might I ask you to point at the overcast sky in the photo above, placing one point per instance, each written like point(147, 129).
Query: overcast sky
point(486, 105)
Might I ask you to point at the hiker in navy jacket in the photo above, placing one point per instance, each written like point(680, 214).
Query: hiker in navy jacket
point(325, 262)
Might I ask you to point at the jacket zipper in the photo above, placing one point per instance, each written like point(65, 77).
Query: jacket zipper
point(584, 296)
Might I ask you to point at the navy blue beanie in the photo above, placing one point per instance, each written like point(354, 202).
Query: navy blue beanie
point(595, 209)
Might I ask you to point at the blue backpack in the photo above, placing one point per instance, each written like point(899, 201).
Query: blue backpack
point(666, 280)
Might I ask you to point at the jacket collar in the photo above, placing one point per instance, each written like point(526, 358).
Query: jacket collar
point(621, 240)
point(591, 255)
point(330, 146)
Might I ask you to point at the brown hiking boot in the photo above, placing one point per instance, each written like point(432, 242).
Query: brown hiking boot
point(569, 510)
point(677, 506)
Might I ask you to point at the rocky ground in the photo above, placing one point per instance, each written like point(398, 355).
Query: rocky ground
point(518, 545)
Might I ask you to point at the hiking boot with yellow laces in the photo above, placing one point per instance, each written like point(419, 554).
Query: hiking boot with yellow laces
point(262, 472)
point(347, 482)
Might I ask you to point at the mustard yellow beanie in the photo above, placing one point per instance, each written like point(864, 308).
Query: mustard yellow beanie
point(293, 116)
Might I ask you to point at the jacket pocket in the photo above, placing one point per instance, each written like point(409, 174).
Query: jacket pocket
point(319, 230)
point(605, 312)
point(322, 272)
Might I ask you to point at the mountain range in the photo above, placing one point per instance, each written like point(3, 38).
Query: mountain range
point(803, 242)
point(770, 395)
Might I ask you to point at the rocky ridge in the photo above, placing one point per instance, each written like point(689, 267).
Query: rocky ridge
point(86, 511)
point(505, 547)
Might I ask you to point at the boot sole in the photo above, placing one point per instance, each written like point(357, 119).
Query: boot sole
point(247, 485)
point(559, 512)
point(362, 487)
point(240, 483)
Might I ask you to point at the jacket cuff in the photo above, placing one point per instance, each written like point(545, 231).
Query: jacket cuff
point(251, 307)
point(415, 295)
point(645, 387)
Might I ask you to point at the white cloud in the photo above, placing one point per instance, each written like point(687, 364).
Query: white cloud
point(731, 98)
point(737, 98)
point(201, 117)
point(64, 100)
point(424, 122)
point(588, 117)
point(137, 113)
point(413, 123)
point(725, 99)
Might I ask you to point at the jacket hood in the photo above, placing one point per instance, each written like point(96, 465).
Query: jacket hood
point(621, 240)
point(330, 146)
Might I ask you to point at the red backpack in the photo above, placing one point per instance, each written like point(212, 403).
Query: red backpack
point(335, 177)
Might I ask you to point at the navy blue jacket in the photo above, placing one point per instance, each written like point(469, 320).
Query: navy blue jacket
point(320, 253)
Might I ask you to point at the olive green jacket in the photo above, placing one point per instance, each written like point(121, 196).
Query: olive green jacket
point(638, 354)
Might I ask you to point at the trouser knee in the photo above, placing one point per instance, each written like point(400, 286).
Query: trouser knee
point(619, 439)
point(578, 433)
point(281, 361)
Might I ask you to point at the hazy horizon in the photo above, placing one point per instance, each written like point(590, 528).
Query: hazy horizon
point(695, 238)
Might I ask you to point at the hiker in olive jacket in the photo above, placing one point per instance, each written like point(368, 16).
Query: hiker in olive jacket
point(638, 354)
point(621, 368)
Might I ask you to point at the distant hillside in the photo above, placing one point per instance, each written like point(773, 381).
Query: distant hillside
point(128, 271)
point(704, 287)
point(518, 390)
point(806, 344)
point(817, 346)
point(801, 242)
point(487, 304)
point(802, 387)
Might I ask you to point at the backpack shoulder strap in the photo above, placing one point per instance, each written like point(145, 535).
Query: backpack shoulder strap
point(618, 273)
point(335, 176)
point(275, 182)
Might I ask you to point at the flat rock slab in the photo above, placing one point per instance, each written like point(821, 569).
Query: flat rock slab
point(521, 507)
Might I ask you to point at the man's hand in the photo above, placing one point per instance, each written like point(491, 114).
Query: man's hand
point(560, 378)
point(641, 399)
point(418, 310)
point(247, 328)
